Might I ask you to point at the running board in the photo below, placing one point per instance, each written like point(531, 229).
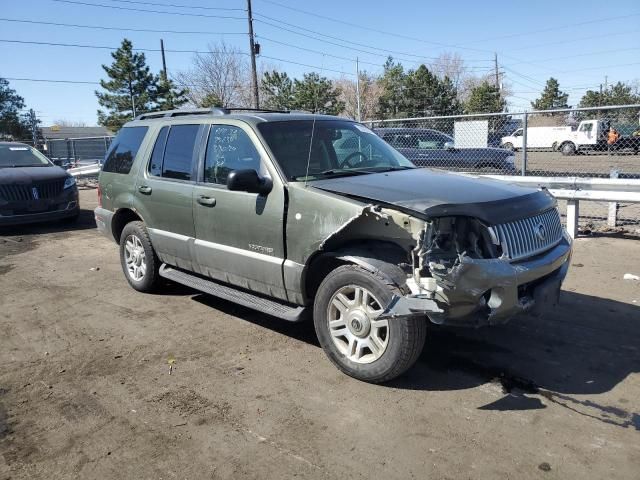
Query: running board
point(291, 313)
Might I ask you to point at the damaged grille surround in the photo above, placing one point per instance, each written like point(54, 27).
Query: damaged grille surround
point(468, 273)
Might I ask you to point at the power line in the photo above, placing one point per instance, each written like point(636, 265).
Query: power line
point(104, 47)
point(332, 37)
point(43, 80)
point(117, 7)
point(550, 29)
point(172, 51)
point(121, 29)
point(363, 27)
point(173, 5)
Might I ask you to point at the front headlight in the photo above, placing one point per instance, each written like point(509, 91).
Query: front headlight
point(69, 182)
point(511, 160)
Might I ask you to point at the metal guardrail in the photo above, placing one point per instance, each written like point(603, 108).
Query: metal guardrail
point(576, 189)
point(85, 170)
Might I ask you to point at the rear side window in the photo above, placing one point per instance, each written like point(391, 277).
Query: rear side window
point(123, 150)
point(155, 165)
point(178, 152)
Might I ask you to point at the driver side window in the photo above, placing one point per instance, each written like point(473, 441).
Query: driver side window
point(346, 145)
point(228, 148)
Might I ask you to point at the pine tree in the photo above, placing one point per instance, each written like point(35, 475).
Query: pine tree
point(277, 90)
point(426, 94)
point(618, 94)
point(12, 123)
point(130, 90)
point(391, 103)
point(210, 100)
point(316, 94)
point(485, 98)
point(551, 98)
point(168, 96)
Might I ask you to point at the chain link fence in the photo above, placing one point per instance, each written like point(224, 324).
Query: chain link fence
point(589, 142)
point(77, 151)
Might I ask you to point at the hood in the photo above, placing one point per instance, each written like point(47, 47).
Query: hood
point(435, 193)
point(28, 175)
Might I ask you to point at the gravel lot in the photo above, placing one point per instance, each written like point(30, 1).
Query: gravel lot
point(85, 390)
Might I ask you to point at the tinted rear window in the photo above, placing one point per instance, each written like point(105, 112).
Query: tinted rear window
point(123, 150)
point(178, 153)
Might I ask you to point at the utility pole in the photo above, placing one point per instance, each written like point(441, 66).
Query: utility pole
point(33, 120)
point(358, 90)
point(495, 59)
point(252, 46)
point(164, 61)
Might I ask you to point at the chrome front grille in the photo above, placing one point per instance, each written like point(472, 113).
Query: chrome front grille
point(529, 236)
point(18, 193)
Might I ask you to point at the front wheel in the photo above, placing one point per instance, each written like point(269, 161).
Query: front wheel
point(346, 310)
point(139, 261)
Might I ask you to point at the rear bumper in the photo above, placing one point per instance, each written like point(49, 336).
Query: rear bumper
point(103, 222)
point(489, 292)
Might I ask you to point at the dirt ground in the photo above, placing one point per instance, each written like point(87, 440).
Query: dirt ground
point(85, 390)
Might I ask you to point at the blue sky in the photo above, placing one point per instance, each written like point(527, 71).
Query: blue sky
point(578, 42)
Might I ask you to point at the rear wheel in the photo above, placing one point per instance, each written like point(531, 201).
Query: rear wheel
point(568, 148)
point(508, 146)
point(346, 310)
point(138, 259)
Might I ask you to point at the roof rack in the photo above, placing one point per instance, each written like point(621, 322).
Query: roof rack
point(204, 111)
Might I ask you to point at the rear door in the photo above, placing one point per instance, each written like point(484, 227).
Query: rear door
point(165, 189)
point(239, 235)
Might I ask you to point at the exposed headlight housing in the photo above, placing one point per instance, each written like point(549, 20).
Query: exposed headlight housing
point(69, 182)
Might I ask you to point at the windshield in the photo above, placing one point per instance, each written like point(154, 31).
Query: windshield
point(339, 148)
point(21, 156)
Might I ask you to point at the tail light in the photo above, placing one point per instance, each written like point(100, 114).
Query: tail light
point(99, 196)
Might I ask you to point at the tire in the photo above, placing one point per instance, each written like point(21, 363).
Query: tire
point(139, 261)
point(568, 148)
point(398, 344)
point(508, 146)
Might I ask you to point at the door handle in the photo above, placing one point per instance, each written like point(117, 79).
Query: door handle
point(144, 189)
point(207, 201)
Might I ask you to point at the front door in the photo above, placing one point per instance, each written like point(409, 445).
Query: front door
point(165, 191)
point(239, 235)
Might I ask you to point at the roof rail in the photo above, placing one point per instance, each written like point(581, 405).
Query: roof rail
point(174, 113)
point(204, 111)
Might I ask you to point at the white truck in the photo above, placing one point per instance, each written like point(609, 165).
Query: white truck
point(591, 135)
point(538, 138)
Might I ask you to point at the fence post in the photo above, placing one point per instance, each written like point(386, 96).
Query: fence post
point(524, 145)
point(573, 217)
point(73, 151)
point(613, 206)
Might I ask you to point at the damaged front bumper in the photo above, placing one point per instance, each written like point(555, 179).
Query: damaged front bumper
point(478, 292)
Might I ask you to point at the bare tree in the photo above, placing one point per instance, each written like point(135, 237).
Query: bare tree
point(62, 122)
point(222, 73)
point(370, 92)
point(450, 65)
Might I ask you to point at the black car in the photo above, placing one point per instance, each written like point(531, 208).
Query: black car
point(430, 148)
point(32, 189)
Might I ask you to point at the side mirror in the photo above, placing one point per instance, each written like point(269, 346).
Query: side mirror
point(57, 162)
point(449, 145)
point(248, 181)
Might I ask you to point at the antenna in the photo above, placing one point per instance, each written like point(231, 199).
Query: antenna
point(313, 124)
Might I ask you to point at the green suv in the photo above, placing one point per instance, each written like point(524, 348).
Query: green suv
point(299, 215)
